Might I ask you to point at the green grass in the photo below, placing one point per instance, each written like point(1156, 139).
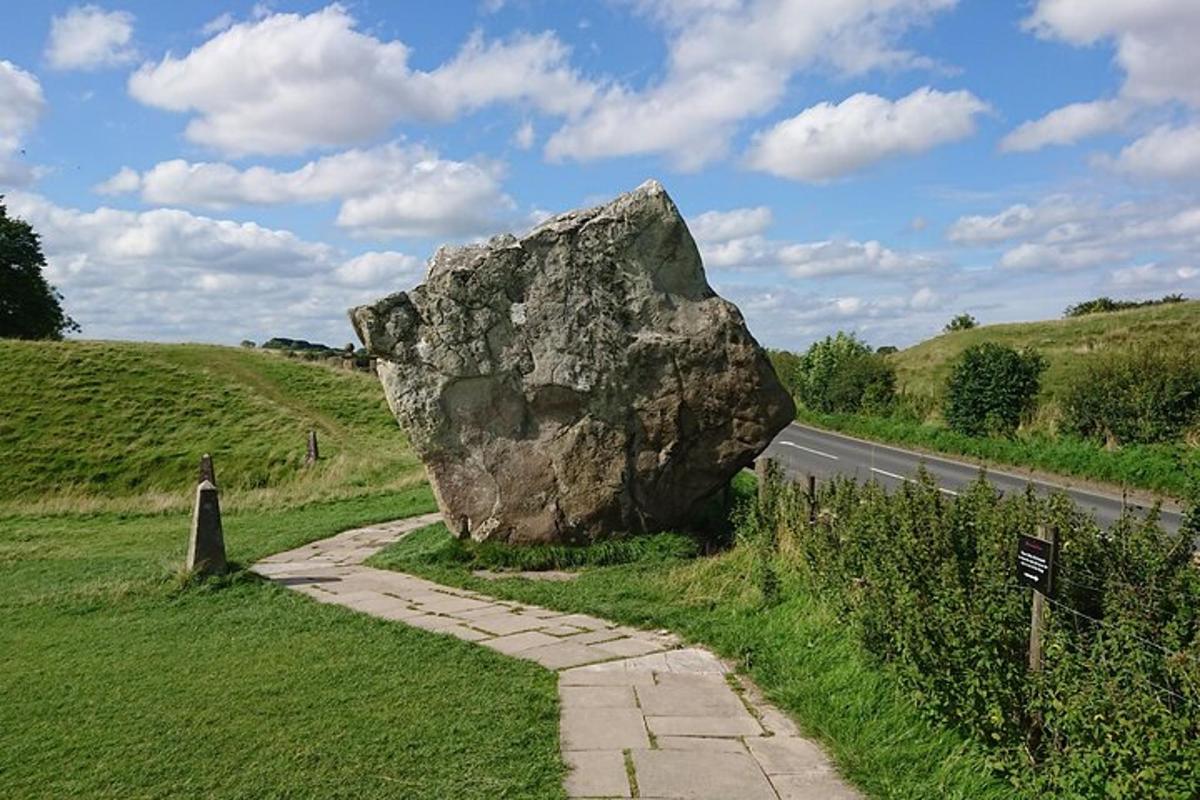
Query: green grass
point(119, 681)
point(434, 544)
point(1163, 469)
point(799, 651)
point(1067, 344)
point(109, 425)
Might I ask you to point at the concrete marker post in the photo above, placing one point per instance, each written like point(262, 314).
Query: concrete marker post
point(206, 546)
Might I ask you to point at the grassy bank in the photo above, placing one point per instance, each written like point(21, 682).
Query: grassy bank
point(121, 682)
point(1067, 344)
point(799, 652)
point(1162, 469)
point(121, 425)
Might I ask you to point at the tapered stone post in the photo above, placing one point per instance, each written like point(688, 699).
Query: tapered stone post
point(313, 454)
point(206, 547)
point(207, 471)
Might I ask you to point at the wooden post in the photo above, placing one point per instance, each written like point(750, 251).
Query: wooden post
point(762, 474)
point(1037, 621)
point(207, 473)
point(812, 499)
point(313, 454)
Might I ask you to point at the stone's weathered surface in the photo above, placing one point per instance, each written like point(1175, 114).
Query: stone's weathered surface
point(206, 546)
point(579, 381)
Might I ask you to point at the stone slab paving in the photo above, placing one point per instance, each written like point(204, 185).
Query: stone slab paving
point(642, 715)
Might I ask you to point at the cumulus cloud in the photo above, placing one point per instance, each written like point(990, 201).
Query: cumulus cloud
point(734, 240)
point(1166, 152)
point(1067, 125)
point(1155, 49)
point(1065, 234)
point(88, 37)
point(169, 274)
point(1156, 276)
point(731, 60)
point(722, 226)
point(1014, 222)
point(390, 190)
point(287, 83)
point(21, 105)
point(827, 141)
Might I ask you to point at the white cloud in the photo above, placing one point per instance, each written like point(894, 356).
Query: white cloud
point(827, 141)
point(390, 190)
point(734, 240)
point(167, 274)
point(21, 105)
point(721, 226)
point(1156, 41)
point(1155, 48)
point(1067, 125)
point(1156, 276)
point(1165, 152)
point(287, 83)
point(217, 24)
point(732, 60)
point(849, 257)
point(378, 269)
point(523, 136)
point(1039, 256)
point(124, 181)
point(88, 37)
point(1016, 221)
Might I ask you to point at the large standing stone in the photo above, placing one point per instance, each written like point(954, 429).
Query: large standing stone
point(580, 381)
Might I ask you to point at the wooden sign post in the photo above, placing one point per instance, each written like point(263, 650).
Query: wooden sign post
point(1035, 568)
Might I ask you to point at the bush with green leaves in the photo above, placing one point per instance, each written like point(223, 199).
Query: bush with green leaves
point(1136, 396)
point(928, 584)
point(842, 374)
point(991, 387)
point(962, 322)
point(1102, 305)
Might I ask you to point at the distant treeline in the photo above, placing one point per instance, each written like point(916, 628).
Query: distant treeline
point(1100, 305)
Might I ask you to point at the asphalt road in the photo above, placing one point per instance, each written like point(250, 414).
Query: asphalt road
point(802, 450)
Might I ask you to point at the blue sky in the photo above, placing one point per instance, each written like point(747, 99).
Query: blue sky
point(213, 172)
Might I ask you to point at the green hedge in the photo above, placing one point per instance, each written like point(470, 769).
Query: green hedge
point(928, 584)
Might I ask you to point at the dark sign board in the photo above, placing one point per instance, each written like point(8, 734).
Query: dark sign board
point(1035, 560)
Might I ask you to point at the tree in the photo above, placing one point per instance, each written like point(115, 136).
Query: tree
point(963, 322)
point(991, 387)
point(248, 343)
point(30, 308)
point(842, 373)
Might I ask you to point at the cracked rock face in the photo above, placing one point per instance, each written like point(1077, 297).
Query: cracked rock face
point(580, 382)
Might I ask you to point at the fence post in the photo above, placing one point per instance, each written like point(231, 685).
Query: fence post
point(812, 499)
point(313, 455)
point(1037, 621)
point(762, 475)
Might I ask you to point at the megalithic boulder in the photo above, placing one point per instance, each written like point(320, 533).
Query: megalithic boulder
point(579, 382)
point(206, 548)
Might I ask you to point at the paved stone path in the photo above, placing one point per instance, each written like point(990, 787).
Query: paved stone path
point(642, 715)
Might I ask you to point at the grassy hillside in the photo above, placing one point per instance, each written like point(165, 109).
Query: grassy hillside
point(1066, 343)
point(90, 422)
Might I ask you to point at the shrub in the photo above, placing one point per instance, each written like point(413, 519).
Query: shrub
point(991, 387)
point(1141, 395)
point(927, 583)
point(841, 373)
point(963, 322)
point(1104, 304)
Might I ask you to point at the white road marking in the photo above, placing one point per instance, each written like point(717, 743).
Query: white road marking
point(910, 480)
point(809, 450)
